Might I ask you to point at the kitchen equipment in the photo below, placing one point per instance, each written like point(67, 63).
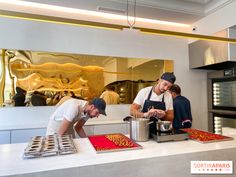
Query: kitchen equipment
point(222, 54)
point(221, 89)
point(50, 145)
point(173, 135)
point(164, 126)
point(139, 129)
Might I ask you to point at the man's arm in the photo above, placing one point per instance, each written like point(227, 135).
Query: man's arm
point(134, 110)
point(79, 128)
point(169, 115)
point(64, 126)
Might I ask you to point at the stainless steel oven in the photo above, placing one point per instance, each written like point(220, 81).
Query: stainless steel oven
point(222, 99)
point(221, 122)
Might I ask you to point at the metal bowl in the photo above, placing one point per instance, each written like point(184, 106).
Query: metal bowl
point(164, 126)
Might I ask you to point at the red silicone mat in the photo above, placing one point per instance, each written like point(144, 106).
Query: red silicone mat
point(205, 137)
point(112, 142)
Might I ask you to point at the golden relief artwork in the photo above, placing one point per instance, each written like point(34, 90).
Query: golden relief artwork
point(2, 75)
point(58, 77)
point(27, 76)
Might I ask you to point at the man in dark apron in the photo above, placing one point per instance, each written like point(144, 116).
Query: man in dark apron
point(154, 102)
point(148, 105)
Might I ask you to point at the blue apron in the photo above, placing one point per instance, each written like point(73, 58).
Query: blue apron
point(148, 104)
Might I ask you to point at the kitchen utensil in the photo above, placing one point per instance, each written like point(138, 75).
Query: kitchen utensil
point(164, 126)
point(174, 135)
point(50, 145)
point(139, 128)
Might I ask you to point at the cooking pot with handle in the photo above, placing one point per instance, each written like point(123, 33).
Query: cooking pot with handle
point(139, 129)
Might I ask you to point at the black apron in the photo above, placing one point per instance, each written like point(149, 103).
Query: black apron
point(148, 104)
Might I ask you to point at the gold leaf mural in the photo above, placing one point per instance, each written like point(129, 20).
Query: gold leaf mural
point(59, 77)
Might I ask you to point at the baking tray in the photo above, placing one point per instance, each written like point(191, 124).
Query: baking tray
point(112, 143)
point(50, 145)
point(205, 137)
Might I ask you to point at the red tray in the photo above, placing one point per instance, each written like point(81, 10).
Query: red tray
point(112, 142)
point(205, 137)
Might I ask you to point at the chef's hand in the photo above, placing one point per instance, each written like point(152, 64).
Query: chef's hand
point(150, 113)
point(160, 113)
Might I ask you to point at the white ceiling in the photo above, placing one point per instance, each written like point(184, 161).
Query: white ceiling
point(181, 11)
point(185, 12)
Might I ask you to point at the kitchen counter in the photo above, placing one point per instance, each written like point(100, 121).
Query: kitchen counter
point(155, 159)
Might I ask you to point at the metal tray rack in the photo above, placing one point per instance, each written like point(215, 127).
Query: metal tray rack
point(66, 145)
point(34, 147)
point(51, 145)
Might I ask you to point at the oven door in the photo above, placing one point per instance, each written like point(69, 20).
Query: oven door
point(222, 124)
point(221, 88)
point(224, 93)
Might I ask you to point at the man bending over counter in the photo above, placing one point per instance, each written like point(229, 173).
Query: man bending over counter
point(155, 102)
point(72, 115)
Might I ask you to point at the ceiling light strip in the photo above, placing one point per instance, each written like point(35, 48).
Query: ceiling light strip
point(58, 20)
point(186, 35)
point(76, 11)
point(64, 21)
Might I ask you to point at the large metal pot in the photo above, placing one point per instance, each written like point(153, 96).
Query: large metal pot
point(139, 129)
point(164, 126)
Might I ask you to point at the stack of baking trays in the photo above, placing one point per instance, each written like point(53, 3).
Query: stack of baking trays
point(41, 146)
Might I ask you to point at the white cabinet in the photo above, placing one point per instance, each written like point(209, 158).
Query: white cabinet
point(22, 136)
point(5, 137)
point(89, 129)
point(105, 129)
point(111, 128)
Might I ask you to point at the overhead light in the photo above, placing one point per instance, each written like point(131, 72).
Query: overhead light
point(186, 35)
point(68, 10)
point(58, 20)
point(111, 10)
point(66, 21)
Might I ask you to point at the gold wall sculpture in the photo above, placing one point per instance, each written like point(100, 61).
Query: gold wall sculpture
point(85, 75)
point(84, 81)
point(2, 77)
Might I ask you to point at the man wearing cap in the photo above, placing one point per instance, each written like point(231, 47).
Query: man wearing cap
point(72, 115)
point(155, 102)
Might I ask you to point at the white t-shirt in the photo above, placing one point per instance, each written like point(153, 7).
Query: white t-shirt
point(71, 110)
point(143, 95)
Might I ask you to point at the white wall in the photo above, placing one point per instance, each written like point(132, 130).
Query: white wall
point(217, 21)
point(40, 36)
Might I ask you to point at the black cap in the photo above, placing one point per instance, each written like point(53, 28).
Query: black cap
point(170, 77)
point(100, 104)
